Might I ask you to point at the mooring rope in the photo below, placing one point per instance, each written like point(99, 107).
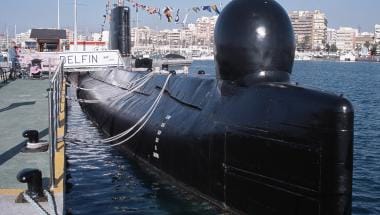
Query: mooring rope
point(144, 79)
point(148, 115)
point(97, 101)
point(132, 87)
point(82, 100)
point(80, 88)
point(38, 207)
point(51, 202)
point(142, 121)
point(129, 85)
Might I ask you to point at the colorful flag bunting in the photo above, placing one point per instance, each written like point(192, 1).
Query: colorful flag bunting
point(168, 11)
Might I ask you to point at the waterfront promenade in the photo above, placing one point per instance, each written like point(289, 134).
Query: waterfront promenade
point(24, 106)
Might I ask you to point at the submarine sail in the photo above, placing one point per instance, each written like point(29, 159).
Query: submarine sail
point(120, 30)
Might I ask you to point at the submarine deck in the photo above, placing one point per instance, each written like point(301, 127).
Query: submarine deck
point(24, 106)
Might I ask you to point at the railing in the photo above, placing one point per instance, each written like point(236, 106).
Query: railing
point(55, 95)
point(4, 69)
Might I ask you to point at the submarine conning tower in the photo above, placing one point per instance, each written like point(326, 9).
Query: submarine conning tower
point(254, 42)
point(120, 30)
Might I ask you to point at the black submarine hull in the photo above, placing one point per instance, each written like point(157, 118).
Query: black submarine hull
point(269, 148)
point(247, 139)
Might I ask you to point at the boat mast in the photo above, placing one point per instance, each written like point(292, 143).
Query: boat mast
point(15, 33)
point(58, 16)
point(7, 37)
point(75, 27)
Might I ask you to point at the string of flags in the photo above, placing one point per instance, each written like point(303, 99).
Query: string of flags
point(104, 21)
point(170, 13)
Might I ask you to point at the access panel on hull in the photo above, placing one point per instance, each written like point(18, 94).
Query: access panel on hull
point(269, 176)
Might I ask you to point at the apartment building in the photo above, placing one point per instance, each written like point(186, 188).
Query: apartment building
point(346, 38)
point(377, 33)
point(199, 35)
point(331, 36)
point(204, 28)
point(3, 42)
point(310, 28)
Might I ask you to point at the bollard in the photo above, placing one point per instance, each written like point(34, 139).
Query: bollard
point(201, 72)
point(32, 135)
point(34, 144)
point(33, 178)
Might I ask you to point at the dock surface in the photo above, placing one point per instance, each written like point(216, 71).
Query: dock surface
point(24, 106)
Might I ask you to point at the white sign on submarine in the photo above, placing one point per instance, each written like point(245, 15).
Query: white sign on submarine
point(91, 59)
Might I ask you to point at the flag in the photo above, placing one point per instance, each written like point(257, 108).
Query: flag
point(168, 14)
point(208, 8)
point(185, 19)
point(196, 9)
point(159, 13)
point(215, 8)
point(177, 16)
point(137, 9)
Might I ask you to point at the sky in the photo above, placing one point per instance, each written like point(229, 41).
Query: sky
point(26, 14)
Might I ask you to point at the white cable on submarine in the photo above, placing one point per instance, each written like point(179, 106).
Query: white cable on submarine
point(144, 119)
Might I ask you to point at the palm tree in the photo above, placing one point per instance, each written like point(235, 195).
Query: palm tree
point(327, 48)
point(367, 44)
point(374, 49)
point(333, 48)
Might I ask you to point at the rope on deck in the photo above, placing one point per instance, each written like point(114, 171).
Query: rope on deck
point(141, 123)
point(82, 100)
point(38, 207)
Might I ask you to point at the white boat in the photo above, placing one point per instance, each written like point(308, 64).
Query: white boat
point(348, 57)
point(302, 58)
point(204, 57)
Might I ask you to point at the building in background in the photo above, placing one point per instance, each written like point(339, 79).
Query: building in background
point(24, 41)
point(48, 40)
point(104, 36)
point(22, 37)
point(143, 40)
point(193, 39)
point(363, 43)
point(345, 39)
point(331, 36)
point(377, 33)
point(3, 42)
point(69, 35)
point(302, 22)
point(89, 46)
point(319, 35)
point(204, 28)
point(310, 29)
point(188, 36)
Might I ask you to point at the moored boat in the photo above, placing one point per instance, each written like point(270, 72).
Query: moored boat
point(248, 140)
point(348, 57)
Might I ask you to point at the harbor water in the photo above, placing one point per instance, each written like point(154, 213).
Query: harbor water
point(101, 180)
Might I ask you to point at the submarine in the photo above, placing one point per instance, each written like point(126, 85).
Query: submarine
point(249, 139)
